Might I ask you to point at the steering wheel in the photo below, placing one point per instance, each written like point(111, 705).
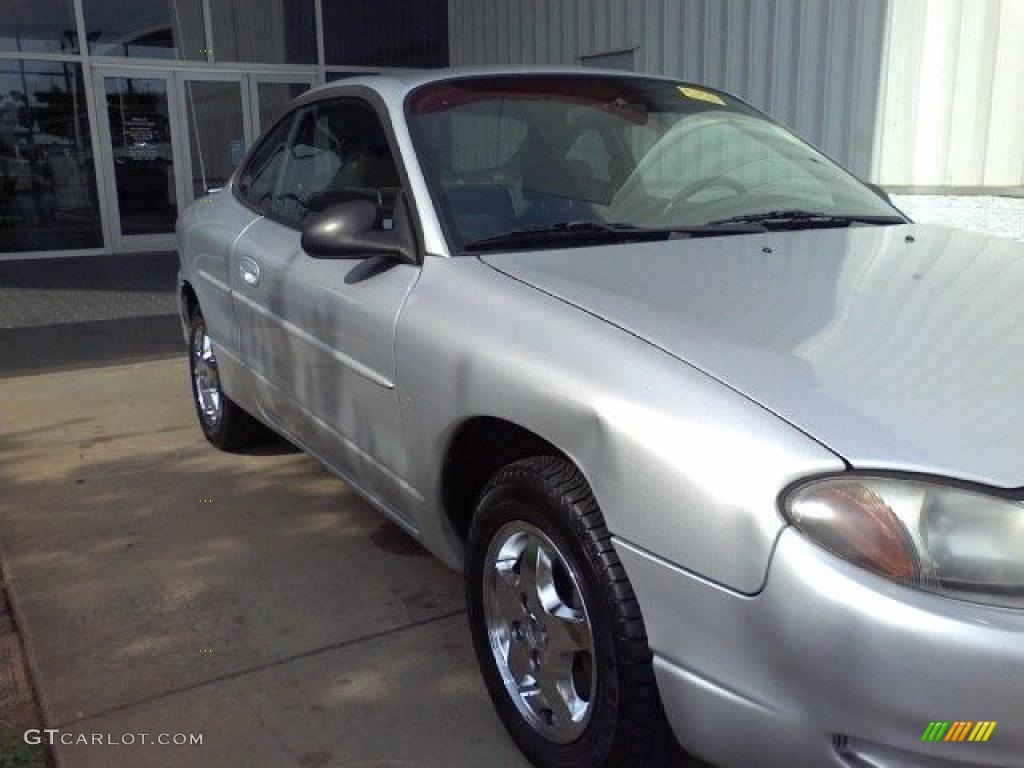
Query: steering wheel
point(699, 186)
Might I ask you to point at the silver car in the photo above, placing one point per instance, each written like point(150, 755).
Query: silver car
point(727, 447)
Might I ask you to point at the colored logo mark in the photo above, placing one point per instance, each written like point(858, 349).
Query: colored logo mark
point(959, 730)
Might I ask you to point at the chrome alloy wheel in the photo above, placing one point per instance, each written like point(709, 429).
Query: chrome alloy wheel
point(540, 631)
point(206, 378)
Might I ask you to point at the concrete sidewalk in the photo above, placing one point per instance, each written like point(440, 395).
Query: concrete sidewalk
point(87, 311)
point(165, 587)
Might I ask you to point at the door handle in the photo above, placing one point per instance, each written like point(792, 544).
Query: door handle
point(249, 270)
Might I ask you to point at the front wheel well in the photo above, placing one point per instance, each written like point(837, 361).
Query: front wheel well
point(481, 446)
point(189, 300)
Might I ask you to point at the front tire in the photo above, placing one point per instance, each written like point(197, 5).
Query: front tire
point(223, 422)
point(556, 627)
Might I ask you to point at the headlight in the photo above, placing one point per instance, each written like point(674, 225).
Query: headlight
point(946, 540)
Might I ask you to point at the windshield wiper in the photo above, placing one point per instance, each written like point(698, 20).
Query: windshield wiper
point(581, 232)
point(794, 219)
point(585, 231)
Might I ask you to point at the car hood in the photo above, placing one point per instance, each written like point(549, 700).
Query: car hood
point(899, 348)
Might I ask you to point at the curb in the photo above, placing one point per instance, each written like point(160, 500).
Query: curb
point(20, 628)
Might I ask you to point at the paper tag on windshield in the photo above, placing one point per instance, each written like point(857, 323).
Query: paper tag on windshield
point(701, 95)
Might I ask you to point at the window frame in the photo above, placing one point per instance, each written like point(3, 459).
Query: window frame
point(235, 182)
point(364, 97)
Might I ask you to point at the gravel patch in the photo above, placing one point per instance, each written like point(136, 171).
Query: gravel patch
point(1001, 216)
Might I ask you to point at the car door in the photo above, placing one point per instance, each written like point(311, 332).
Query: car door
point(320, 332)
point(254, 187)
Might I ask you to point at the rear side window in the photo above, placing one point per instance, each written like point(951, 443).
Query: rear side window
point(259, 178)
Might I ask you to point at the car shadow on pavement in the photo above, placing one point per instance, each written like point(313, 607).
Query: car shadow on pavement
point(252, 597)
point(87, 311)
point(165, 586)
point(72, 346)
point(272, 445)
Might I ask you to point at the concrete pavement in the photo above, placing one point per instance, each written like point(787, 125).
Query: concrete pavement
point(86, 311)
point(164, 587)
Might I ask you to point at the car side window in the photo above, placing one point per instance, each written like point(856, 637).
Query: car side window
point(259, 178)
point(339, 152)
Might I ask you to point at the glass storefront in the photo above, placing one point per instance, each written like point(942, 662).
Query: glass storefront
point(264, 31)
point(48, 197)
point(216, 131)
point(140, 135)
point(274, 99)
point(115, 114)
point(386, 33)
point(38, 26)
point(163, 29)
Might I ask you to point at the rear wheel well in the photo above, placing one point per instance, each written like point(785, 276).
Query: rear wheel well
point(481, 447)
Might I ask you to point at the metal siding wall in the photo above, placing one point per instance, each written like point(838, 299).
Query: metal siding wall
point(953, 101)
point(812, 64)
point(610, 25)
point(514, 31)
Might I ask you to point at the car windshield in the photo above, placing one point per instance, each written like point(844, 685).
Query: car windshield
point(585, 153)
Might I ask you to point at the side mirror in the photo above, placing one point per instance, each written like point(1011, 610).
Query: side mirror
point(345, 231)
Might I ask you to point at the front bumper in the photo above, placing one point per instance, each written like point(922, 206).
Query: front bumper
point(828, 665)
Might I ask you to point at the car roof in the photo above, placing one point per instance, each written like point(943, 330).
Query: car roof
point(405, 80)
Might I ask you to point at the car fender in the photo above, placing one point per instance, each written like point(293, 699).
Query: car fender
point(206, 231)
point(681, 465)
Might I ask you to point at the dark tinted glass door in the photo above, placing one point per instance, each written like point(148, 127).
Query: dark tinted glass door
point(140, 136)
point(216, 131)
point(274, 99)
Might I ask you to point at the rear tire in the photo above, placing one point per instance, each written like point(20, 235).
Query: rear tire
point(223, 422)
point(610, 715)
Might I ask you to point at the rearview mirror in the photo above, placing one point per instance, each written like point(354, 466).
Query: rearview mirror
point(346, 231)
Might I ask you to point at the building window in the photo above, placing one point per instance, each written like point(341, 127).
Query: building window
point(161, 29)
point(346, 74)
point(386, 33)
point(140, 134)
point(215, 132)
point(264, 31)
point(275, 98)
point(38, 26)
point(48, 194)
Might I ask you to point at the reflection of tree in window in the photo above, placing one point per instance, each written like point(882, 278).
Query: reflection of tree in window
point(47, 185)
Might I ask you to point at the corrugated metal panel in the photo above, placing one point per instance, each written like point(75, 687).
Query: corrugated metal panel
point(812, 64)
point(514, 31)
point(791, 58)
point(952, 111)
point(610, 25)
